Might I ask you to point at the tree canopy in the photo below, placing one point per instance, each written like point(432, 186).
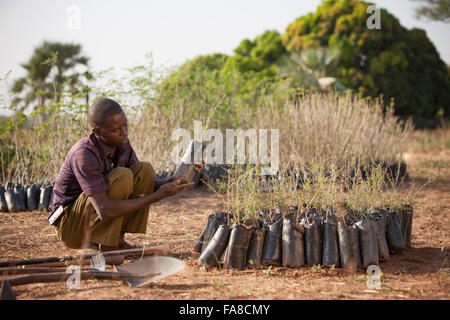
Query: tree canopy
point(393, 61)
point(437, 10)
point(258, 55)
point(399, 64)
point(52, 67)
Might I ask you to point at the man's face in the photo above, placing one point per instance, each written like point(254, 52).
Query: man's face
point(114, 131)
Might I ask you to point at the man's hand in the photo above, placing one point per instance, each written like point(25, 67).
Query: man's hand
point(172, 188)
point(199, 166)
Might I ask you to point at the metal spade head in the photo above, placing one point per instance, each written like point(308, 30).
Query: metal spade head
point(156, 268)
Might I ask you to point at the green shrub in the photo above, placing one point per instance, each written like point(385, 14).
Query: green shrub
point(395, 62)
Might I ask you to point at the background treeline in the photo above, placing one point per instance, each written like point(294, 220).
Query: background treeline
point(340, 94)
point(398, 64)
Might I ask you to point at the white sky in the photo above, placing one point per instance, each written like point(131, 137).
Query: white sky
point(119, 34)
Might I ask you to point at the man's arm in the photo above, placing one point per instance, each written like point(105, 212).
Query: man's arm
point(160, 182)
point(108, 208)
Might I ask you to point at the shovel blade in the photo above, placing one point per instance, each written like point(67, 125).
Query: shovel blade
point(157, 268)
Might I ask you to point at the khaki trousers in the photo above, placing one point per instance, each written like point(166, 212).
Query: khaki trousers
point(81, 224)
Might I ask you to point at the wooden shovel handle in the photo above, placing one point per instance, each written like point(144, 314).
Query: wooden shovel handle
point(63, 276)
point(160, 250)
point(7, 271)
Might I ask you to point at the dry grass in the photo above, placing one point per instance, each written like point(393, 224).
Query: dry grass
point(432, 140)
point(342, 131)
point(338, 131)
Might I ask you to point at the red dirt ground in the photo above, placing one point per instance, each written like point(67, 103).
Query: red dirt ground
point(421, 272)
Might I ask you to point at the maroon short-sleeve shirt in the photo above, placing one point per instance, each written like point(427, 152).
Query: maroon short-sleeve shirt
point(85, 168)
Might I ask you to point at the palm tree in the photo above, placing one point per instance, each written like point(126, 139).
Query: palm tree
point(311, 67)
point(52, 68)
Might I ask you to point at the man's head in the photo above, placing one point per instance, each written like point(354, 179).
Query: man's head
point(108, 122)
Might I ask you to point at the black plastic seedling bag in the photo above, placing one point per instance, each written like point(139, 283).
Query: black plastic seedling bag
point(313, 243)
point(345, 247)
point(394, 234)
point(406, 218)
point(32, 197)
point(196, 180)
point(50, 201)
point(160, 175)
point(409, 228)
point(292, 249)
point(214, 220)
point(255, 248)
point(238, 243)
point(211, 228)
point(349, 249)
point(383, 215)
point(272, 244)
point(21, 197)
point(11, 201)
point(319, 221)
point(368, 242)
point(214, 173)
point(383, 249)
point(9, 186)
point(225, 252)
point(44, 197)
point(330, 242)
point(213, 251)
point(403, 225)
point(3, 205)
point(198, 244)
point(222, 218)
point(356, 246)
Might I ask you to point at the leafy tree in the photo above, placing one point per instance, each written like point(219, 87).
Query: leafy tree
point(438, 10)
point(196, 85)
point(52, 68)
point(211, 83)
point(393, 61)
point(258, 55)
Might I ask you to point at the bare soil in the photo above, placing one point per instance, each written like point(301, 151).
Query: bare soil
point(421, 272)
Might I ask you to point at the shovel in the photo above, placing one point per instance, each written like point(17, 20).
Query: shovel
point(62, 261)
point(84, 275)
point(156, 268)
point(7, 293)
point(150, 268)
point(136, 274)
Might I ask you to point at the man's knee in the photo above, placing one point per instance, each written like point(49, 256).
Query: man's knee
point(120, 178)
point(144, 178)
point(144, 169)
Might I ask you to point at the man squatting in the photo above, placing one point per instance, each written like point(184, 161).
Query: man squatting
point(104, 190)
